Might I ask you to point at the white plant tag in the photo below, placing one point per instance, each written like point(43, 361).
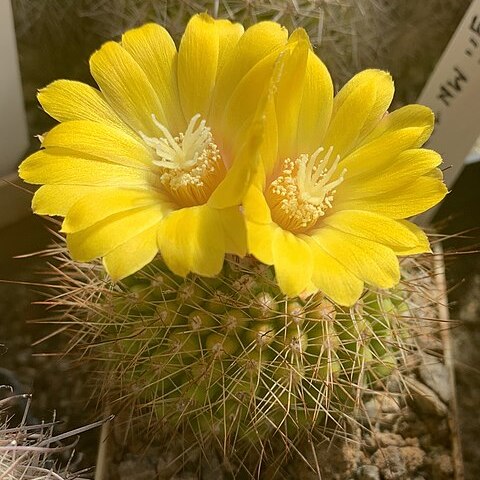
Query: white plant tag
point(13, 125)
point(453, 93)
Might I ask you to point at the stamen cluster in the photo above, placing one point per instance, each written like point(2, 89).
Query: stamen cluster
point(189, 159)
point(304, 192)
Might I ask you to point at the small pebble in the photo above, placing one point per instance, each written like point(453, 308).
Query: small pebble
point(368, 472)
point(135, 469)
point(426, 441)
point(414, 458)
point(383, 407)
point(398, 463)
point(435, 374)
point(385, 439)
point(426, 399)
point(369, 443)
point(394, 385)
point(442, 467)
point(389, 404)
point(391, 463)
point(371, 409)
point(412, 442)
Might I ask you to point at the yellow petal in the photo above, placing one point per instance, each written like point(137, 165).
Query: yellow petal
point(256, 207)
point(405, 117)
point(268, 146)
point(260, 228)
point(154, 50)
point(257, 42)
point(369, 261)
point(391, 175)
point(197, 65)
point(232, 188)
point(250, 92)
point(422, 244)
point(247, 158)
point(250, 124)
point(381, 152)
point(293, 262)
point(126, 88)
point(192, 240)
point(91, 209)
point(67, 100)
point(99, 140)
point(374, 227)
point(260, 241)
point(384, 90)
point(316, 106)
point(58, 166)
point(233, 224)
point(409, 200)
point(132, 255)
point(108, 234)
point(357, 108)
point(332, 278)
point(58, 199)
point(289, 93)
point(435, 173)
point(228, 36)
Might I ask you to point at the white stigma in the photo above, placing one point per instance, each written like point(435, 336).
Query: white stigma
point(187, 159)
point(313, 178)
point(179, 152)
point(304, 191)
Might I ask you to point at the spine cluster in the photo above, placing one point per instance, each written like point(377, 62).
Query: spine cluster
point(231, 358)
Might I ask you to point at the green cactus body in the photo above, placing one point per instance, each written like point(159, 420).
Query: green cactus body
point(231, 357)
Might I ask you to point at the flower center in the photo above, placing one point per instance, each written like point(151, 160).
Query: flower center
point(190, 165)
point(304, 190)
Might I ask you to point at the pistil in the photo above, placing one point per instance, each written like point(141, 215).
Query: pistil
point(304, 190)
point(190, 165)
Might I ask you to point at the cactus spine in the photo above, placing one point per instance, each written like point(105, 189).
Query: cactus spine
point(229, 360)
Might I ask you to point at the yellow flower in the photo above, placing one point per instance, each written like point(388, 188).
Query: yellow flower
point(340, 177)
point(159, 158)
